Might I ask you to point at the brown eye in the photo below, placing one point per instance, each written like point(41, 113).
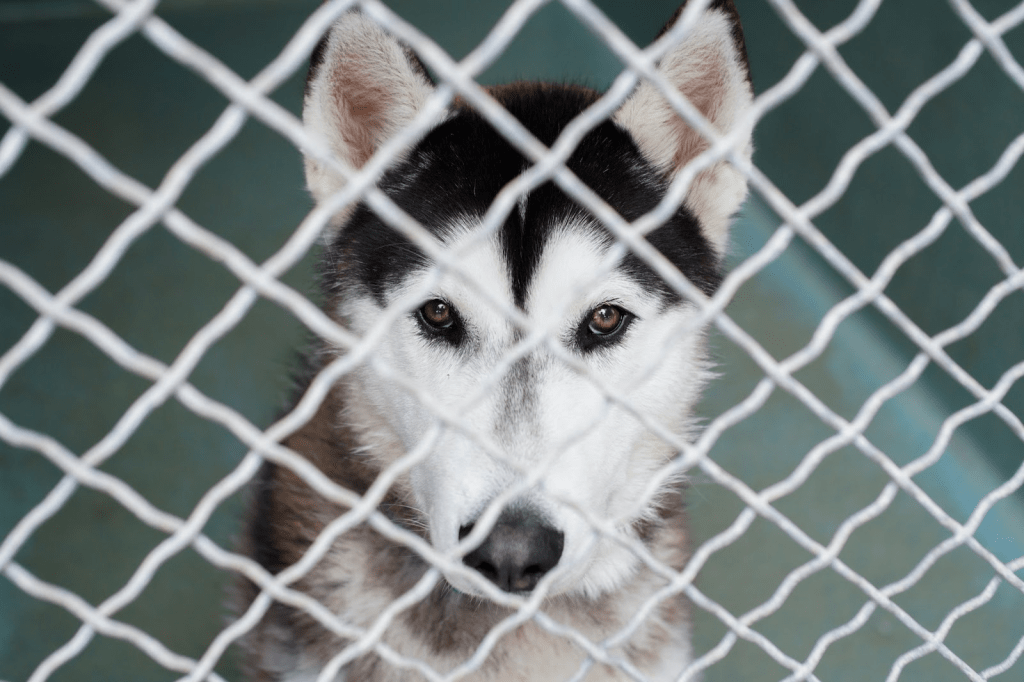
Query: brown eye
point(437, 314)
point(605, 319)
point(603, 327)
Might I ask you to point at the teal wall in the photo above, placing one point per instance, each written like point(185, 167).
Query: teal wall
point(141, 111)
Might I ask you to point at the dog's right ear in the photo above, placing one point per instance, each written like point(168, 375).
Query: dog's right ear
point(709, 67)
point(363, 87)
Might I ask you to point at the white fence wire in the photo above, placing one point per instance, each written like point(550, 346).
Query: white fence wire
point(249, 99)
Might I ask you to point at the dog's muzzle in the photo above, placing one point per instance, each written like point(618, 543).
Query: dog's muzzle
point(520, 550)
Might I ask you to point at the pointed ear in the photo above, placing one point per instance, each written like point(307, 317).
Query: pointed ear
point(363, 87)
point(709, 67)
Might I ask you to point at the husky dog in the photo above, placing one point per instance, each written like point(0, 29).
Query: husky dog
point(547, 411)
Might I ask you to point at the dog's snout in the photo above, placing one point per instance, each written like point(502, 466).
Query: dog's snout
point(519, 551)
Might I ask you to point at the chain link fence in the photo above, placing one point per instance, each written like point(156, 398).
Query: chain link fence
point(250, 99)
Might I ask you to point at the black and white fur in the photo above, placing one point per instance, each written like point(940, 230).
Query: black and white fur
point(364, 86)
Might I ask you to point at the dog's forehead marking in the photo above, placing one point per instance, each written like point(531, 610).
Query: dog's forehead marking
point(482, 281)
point(568, 269)
point(573, 276)
point(567, 277)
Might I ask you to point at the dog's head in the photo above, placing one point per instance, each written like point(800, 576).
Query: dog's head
point(528, 404)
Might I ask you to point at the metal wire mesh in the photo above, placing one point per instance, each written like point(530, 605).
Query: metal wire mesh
point(249, 99)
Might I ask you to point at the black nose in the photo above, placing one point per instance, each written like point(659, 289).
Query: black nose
point(519, 551)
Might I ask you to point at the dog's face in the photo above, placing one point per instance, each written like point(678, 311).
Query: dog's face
point(557, 394)
point(537, 413)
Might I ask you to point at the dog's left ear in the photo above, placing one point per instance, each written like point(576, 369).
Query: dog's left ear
point(363, 87)
point(709, 67)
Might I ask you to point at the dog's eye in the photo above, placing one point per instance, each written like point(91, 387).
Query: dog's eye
point(440, 323)
point(437, 314)
point(604, 325)
point(605, 319)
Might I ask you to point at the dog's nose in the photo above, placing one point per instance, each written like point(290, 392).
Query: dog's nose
point(521, 548)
